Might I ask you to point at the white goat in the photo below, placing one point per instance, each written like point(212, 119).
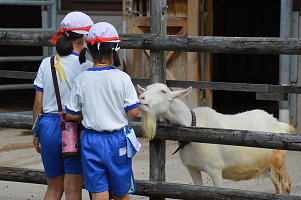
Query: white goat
point(219, 161)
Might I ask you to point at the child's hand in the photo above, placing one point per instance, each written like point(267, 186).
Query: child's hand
point(36, 144)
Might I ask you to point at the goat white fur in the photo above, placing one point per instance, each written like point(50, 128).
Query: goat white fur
point(219, 161)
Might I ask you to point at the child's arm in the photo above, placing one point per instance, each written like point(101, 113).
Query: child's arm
point(133, 112)
point(37, 109)
point(37, 106)
point(74, 117)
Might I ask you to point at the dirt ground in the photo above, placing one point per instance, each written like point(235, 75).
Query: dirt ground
point(16, 150)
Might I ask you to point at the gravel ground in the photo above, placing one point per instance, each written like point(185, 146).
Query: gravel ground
point(16, 150)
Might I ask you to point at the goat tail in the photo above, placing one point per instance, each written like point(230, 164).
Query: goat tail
point(288, 128)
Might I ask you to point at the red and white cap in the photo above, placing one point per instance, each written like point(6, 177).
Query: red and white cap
point(76, 22)
point(103, 32)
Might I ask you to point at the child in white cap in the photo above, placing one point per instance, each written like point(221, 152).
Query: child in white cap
point(62, 174)
point(104, 97)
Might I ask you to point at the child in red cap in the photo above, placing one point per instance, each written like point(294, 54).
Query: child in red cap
point(104, 97)
point(62, 174)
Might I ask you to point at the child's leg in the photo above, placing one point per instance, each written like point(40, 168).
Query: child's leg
point(55, 188)
point(73, 184)
point(100, 196)
point(124, 197)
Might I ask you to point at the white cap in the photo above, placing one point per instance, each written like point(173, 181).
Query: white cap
point(103, 32)
point(76, 20)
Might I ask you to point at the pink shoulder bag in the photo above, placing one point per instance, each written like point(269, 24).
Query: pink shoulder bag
point(70, 130)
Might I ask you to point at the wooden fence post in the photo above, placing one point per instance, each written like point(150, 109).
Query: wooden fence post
point(193, 22)
point(157, 75)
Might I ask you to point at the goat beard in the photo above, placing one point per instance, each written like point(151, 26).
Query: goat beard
point(149, 124)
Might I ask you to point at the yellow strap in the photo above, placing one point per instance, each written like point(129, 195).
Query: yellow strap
point(60, 70)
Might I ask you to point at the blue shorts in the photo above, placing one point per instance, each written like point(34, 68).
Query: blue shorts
point(105, 163)
point(51, 148)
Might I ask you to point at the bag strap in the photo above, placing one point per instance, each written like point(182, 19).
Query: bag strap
point(56, 86)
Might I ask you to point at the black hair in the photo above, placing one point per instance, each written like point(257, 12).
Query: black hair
point(64, 46)
point(105, 50)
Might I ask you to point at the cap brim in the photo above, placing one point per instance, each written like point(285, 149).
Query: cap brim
point(114, 41)
point(82, 32)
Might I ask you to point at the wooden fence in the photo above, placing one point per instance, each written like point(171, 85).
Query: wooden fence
point(158, 42)
point(157, 190)
point(168, 132)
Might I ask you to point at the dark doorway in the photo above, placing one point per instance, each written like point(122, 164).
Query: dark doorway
point(13, 16)
point(236, 18)
point(20, 17)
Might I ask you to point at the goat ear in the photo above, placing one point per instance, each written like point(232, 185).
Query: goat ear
point(180, 93)
point(140, 89)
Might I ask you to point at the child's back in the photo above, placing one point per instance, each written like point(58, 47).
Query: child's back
point(104, 97)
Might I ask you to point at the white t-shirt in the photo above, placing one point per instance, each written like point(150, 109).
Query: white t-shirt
point(103, 95)
point(44, 82)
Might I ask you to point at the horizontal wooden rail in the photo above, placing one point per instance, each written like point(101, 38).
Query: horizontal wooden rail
point(22, 86)
point(22, 175)
point(18, 74)
point(229, 137)
point(15, 121)
point(243, 87)
point(26, 38)
point(21, 58)
point(155, 189)
point(213, 44)
point(192, 134)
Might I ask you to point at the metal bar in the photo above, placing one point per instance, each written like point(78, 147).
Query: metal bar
point(293, 112)
point(29, 29)
point(27, 3)
point(59, 4)
point(17, 86)
point(21, 58)
point(53, 16)
point(285, 60)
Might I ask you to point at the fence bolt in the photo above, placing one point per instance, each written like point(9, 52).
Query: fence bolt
point(164, 7)
point(145, 41)
point(128, 10)
point(3, 34)
point(145, 190)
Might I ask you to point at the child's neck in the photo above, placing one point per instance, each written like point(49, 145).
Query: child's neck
point(101, 64)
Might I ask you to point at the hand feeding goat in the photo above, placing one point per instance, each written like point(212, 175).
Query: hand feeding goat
point(219, 161)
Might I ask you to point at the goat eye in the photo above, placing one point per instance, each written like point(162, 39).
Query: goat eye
point(163, 92)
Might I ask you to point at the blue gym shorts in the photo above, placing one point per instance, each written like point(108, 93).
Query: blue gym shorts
point(49, 134)
point(105, 163)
